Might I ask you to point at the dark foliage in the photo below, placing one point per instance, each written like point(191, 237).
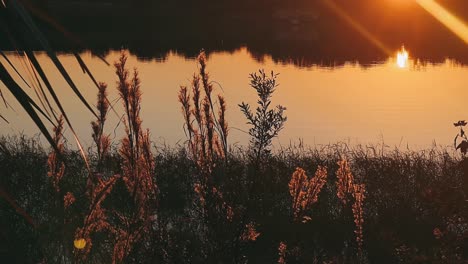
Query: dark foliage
point(414, 211)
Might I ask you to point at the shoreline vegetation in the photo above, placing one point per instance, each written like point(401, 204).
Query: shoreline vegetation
point(208, 202)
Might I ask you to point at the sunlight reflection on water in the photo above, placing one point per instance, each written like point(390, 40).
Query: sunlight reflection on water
point(324, 104)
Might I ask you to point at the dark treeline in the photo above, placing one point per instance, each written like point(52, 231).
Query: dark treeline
point(302, 32)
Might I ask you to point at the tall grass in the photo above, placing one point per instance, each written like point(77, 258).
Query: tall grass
point(207, 131)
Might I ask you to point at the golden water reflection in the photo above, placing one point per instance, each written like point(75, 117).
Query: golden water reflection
point(324, 105)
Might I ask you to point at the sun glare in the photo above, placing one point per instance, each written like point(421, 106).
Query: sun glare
point(402, 58)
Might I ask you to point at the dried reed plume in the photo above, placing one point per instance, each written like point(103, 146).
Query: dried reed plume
point(304, 191)
point(96, 219)
point(97, 188)
point(359, 196)
point(137, 165)
point(344, 181)
point(207, 131)
point(137, 170)
point(101, 141)
point(56, 167)
point(282, 252)
point(346, 188)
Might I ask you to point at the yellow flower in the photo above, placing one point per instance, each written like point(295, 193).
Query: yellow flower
point(80, 243)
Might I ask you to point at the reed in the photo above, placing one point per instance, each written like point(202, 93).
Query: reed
point(345, 181)
point(101, 141)
point(205, 126)
point(97, 187)
point(347, 188)
point(137, 166)
point(282, 249)
point(55, 159)
point(358, 212)
point(207, 132)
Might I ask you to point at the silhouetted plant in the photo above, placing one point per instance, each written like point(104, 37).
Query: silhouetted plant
point(96, 219)
point(206, 128)
point(266, 123)
point(60, 199)
point(126, 228)
point(55, 160)
point(137, 167)
point(463, 145)
point(97, 187)
point(207, 131)
point(358, 212)
point(344, 182)
point(346, 189)
point(101, 141)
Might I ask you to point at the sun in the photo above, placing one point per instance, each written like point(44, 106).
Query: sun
point(402, 58)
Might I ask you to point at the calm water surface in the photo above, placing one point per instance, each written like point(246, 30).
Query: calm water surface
point(410, 104)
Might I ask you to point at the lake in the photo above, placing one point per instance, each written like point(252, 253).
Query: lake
point(401, 103)
point(340, 74)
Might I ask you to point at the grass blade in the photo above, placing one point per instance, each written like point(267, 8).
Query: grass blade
point(14, 68)
point(25, 102)
point(43, 76)
point(4, 119)
point(86, 70)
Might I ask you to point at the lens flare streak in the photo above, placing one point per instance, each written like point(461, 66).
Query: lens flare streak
point(453, 23)
point(341, 13)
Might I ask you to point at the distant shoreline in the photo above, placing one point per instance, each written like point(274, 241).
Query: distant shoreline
point(308, 36)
